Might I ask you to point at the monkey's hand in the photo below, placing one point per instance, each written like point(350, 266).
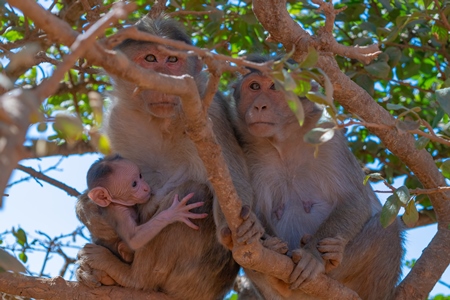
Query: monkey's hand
point(96, 257)
point(308, 266)
point(274, 243)
point(88, 276)
point(332, 250)
point(251, 229)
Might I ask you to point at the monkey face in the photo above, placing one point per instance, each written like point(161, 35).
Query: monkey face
point(127, 186)
point(262, 108)
point(154, 57)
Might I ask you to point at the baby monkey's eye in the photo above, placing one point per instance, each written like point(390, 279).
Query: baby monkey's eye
point(134, 183)
point(140, 175)
point(255, 86)
point(150, 58)
point(272, 87)
point(172, 59)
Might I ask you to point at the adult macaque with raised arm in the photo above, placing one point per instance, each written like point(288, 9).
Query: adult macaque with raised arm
point(315, 194)
point(116, 185)
point(180, 262)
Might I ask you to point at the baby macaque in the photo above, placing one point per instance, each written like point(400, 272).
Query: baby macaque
point(116, 185)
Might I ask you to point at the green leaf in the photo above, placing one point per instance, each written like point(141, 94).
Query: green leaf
point(390, 210)
point(21, 236)
point(439, 114)
point(319, 135)
point(445, 168)
point(380, 69)
point(23, 257)
point(403, 194)
point(440, 32)
point(311, 59)
point(421, 143)
point(302, 88)
point(318, 98)
point(411, 215)
point(443, 98)
point(391, 106)
point(395, 54)
point(10, 263)
point(289, 83)
point(296, 106)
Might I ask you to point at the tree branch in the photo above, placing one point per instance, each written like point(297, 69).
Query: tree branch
point(59, 289)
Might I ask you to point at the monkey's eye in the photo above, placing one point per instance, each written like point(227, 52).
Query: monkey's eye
point(255, 86)
point(134, 184)
point(172, 59)
point(272, 87)
point(150, 58)
point(140, 175)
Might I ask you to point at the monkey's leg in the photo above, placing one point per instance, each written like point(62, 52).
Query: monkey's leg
point(100, 258)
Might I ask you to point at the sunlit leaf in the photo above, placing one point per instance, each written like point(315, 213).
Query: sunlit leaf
point(403, 194)
point(310, 59)
point(296, 106)
point(390, 210)
point(374, 176)
point(70, 126)
point(10, 263)
point(319, 135)
point(411, 215)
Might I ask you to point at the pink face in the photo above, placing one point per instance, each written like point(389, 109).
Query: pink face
point(127, 185)
point(263, 108)
point(149, 56)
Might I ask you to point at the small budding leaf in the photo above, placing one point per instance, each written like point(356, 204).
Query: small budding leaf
point(319, 136)
point(310, 59)
point(421, 143)
point(10, 263)
point(374, 176)
point(390, 210)
point(21, 236)
point(23, 257)
point(411, 215)
point(403, 194)
point(443, 97)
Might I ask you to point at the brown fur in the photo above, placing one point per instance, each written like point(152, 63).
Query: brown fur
point(183, 263)
point(298, 194)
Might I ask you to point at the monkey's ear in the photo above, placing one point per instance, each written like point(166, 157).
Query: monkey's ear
point(100, 196)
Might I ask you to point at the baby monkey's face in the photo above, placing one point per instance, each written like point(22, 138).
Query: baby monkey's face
point(128, 185)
